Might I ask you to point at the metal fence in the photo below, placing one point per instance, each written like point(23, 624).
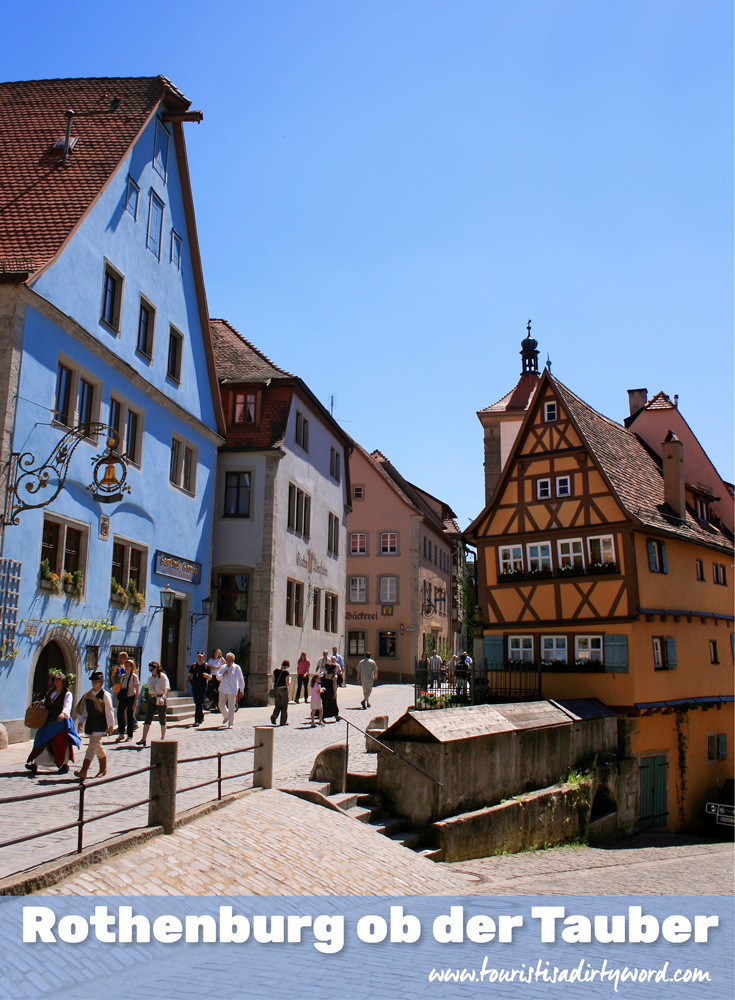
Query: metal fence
point(479, 687)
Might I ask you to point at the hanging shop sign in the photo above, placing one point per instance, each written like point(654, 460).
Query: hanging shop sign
point(177, 567)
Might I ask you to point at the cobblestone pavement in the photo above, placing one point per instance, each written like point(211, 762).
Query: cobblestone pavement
point(650, 865)
point(296, 746)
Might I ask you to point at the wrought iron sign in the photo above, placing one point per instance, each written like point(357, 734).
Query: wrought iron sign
point(32, 486)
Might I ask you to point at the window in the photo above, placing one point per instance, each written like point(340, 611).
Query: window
point(387, 644)
point(299, 511)
point(701, 509)
point(175, 345)
point(330, 612)
point(335, 465)
point(656, 555)
point(294, 603)
point(129, 564)
point(388, 543)
point(520, 648)
point(563, 486)
point(588, 648)
point(358, 589)
point(182, 470)
point(237, 494)
point(358, 492)
point(664, 653)
point(317, 609)
point(719, 574)
point(716, 746)
point(160, 149)
point(699, 567)
point(601, 550)
point(132, 195)
point(76, 403)
point(244, 406)
point(146, 322)
point(388, 589)
point(232, 597)
point(127, 423)
point(570, 554)
point(713, 658)
point(302, 431)
point(356, 643)
point(539, 557)
point(64, 545)
point(333, 535)
point(550, 412)
point(425, 545)
point(175, 249)
point(543, 489)
point(112, 286)
point(358, 543)
point(554, 648)
point(155, 225)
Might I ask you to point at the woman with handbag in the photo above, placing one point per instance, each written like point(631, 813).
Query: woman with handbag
point(127, 698)
point(56, 738)
point(94, 708)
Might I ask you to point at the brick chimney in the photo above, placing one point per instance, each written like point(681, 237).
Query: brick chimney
point(637, 399)
point(672, 453)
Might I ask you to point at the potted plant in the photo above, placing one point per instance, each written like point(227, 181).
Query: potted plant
point(135, 598)
point(49, 579)
point(118, 593)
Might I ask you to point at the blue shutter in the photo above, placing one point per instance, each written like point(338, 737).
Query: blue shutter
point(616, 654)
point(662, 549)
point(493, 649)
point(651, 555)
point(671, 653)
point(722, 746)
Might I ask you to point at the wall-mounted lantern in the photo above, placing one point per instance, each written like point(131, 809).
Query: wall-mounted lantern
point(168, 596)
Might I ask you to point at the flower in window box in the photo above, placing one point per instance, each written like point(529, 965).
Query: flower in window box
point(49, 581)
point(570, 571)
point(118, 593)
point(507, 576)
point(134, 596)
point(599, 568)
point(73, 583)
point(539, 574)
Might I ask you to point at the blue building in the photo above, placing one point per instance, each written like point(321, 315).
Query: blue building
point(103, 324)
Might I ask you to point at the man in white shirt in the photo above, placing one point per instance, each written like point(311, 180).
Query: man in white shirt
point(367, 674)
point(231, 689)
point(435, 669)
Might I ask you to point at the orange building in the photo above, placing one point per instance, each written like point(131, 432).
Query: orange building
point(603, 566)
point(400, 545)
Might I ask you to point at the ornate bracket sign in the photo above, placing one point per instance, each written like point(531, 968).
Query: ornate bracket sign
point(32, 486)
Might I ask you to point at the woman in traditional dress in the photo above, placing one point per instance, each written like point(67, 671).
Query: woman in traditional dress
point(95, 709)
point(330, 709)
point(55, 740)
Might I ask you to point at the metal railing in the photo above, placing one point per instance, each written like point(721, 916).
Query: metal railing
point(341, 718)
point(220, 777)
point(481, 687)
point(81, 821)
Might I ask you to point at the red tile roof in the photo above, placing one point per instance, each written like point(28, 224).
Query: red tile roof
point(237, 359)
point(42, 200)
point(519, 398)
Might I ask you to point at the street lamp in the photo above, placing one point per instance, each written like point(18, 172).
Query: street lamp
point(206, 612)
point(168, 596)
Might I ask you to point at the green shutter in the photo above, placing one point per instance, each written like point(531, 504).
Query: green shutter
point(493, 649)
point(671, 653)
point(616, 654)
point(664, 566)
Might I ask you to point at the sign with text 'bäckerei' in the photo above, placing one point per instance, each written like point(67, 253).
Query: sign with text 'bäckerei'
point(177, 567)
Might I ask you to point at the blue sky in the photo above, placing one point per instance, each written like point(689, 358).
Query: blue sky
point(386, 192)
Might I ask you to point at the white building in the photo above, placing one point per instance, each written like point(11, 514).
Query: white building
point(281, 502)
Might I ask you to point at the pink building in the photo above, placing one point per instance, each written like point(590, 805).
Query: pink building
point(400, 543)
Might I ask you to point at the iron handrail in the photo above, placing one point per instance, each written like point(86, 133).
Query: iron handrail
point(223, 753)
point(395, 754)
point(220, 777)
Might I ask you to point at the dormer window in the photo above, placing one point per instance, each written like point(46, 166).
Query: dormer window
point(244, 408)
point(701, 509)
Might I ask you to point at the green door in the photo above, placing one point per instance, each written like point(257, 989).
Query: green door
point(654, 785)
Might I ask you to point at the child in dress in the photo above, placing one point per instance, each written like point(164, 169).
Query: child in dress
point(316, 700)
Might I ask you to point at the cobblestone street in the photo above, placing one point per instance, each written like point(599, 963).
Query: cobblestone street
point(296, 746)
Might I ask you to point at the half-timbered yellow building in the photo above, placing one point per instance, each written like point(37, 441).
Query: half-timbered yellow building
point(597, 565)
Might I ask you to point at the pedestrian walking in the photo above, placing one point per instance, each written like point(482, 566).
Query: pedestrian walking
point(302, 672)
point(340, 671)
point(94, 709)
point(158, 688)
point(462, 672)
point(127, 699)
point(231, 689)
point(367, 674)
point(281, 677)
point(316, 701)
point(435, 669)
point(198, 677)
point(330, 708)
point(322, 663)
point(55, 740)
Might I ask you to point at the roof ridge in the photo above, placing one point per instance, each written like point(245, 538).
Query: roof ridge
point(250, 344)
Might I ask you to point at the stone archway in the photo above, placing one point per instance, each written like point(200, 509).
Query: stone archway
point(51, 657)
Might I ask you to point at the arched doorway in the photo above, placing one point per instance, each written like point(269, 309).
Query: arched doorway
point(50, 658)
